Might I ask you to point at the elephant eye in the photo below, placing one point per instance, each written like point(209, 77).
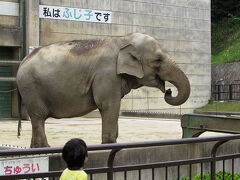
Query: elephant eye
point(158, 60)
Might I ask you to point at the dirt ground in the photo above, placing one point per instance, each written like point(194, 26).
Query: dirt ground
point(61, 130)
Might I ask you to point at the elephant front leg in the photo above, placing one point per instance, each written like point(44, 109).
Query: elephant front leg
point(110, 123)
point(107, 96)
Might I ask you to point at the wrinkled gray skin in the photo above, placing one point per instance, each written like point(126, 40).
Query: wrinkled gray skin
point(69, 79)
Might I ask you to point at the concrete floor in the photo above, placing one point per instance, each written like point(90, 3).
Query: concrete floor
point(61, 130)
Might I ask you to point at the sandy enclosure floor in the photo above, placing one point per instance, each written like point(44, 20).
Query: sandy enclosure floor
point(61, 130)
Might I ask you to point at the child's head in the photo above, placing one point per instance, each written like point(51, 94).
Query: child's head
point(75, 153)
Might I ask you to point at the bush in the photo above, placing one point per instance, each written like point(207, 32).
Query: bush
point(219, 176)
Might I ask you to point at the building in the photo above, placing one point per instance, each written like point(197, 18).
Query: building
point(181, 26)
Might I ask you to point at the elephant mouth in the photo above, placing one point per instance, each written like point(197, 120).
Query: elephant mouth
point(161, 84)
point(168, 94)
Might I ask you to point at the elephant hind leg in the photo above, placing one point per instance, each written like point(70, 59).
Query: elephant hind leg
point(39, 138)
point(38, 114)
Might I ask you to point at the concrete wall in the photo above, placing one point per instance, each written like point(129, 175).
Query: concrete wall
point(159, 154)
point(181, 27)
point(10, 23)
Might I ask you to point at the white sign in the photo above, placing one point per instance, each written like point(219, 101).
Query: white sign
point(24, 166)
point(74, 14)
point(9, 8)
point(31, 48)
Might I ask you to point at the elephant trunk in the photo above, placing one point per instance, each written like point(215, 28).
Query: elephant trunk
point(181, 82)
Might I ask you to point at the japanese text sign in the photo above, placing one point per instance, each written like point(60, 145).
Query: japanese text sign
point(24, 166)
point(74, 14)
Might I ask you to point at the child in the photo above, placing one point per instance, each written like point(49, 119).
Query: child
point(75, 155)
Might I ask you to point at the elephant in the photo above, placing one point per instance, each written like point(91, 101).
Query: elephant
point(72, 78)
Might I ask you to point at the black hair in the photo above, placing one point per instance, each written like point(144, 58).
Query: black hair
point(74, 153)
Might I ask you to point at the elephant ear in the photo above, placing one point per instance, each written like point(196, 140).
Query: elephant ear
point(128, 62)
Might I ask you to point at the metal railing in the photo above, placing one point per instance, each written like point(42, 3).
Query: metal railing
point(193, 125)
point(115, 148)
point(226, 92)
point(9, 63)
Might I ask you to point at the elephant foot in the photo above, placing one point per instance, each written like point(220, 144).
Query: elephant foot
point(109, 142)
point(39, 145)
point(108, 139)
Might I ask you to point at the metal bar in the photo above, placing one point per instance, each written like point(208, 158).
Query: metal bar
point(232, 169)
point(190, 171)
point(112, 169)
point(201, 170)
point(97, 170)
point(139, 174)
point(213, 155)
point(214, 130)
point(161, 164)
point(110, 163)
point(194, 125)
point(229, 156)
point(166, 173)
point(223, 169)
point(161, 143)
point(230, 92)
point(15, 152)
point(125, 175)
point(213, 170)
point(32, 175)
point(52, 174)
point(178, 172)
point(153, 173)
point(23, 26)
point(31, 151)
point(9, 62)
point(219, 93)
point(224, 92)
point(7, 79)
point(217, 90)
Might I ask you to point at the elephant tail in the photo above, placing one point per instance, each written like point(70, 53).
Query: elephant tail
point(20, 114)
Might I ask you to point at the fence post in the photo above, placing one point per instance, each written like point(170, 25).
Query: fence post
point(110, 163)
point(219, 92)
point(213, 154)
point(230, 92)
point(215, 92)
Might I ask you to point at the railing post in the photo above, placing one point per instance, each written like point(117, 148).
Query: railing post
point(110, 163)
point(213, 154)
point(219, 92)
point(215, 92)
point(230, 92)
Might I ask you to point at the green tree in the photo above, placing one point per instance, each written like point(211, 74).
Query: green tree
point(225, 8)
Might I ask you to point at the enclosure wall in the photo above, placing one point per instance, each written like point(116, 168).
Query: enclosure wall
point(181, 27)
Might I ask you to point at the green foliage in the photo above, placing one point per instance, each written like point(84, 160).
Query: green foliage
point(234, 19)
point(229, 54)
point(218, 176)
point(226, 40)
point(225, 30)
point(210, 101)
point(224, 33)
point(221, 107)
point(222, 8)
